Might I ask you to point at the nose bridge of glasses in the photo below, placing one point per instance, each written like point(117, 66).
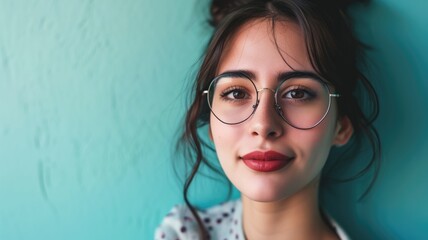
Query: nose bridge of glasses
point(275, 105)
point(259, 91)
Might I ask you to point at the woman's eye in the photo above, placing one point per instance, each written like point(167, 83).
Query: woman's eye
point(236, 94)
point(297, 94)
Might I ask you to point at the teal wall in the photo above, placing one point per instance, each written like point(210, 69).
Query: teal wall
point(91, 97)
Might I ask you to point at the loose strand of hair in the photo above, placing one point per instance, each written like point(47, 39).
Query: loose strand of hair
point(199, 158)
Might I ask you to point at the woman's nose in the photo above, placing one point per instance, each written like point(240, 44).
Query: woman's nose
point(266, 122)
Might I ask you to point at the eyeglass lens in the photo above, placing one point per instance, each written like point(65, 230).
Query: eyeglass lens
point(303, 101)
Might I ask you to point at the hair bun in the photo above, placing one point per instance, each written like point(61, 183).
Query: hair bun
point(220, 8)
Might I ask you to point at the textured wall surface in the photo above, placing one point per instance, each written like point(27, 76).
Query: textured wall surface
point(90, 97)
point(396, 209)
point(92, 93)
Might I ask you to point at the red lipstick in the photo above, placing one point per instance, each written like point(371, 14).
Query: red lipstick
point(266, 161)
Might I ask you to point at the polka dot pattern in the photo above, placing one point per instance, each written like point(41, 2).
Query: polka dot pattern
point(221, 222)
point(180, 224)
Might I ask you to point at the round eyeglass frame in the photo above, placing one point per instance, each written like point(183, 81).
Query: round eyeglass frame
point(278, 108)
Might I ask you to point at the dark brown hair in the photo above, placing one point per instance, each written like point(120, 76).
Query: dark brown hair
point(334, 51)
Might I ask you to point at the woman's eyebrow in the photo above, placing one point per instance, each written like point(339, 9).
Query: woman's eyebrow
point(294, 73)
point(240, 73)
point(280, 76)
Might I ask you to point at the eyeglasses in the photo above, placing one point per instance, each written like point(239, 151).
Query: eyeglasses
point(302, 99)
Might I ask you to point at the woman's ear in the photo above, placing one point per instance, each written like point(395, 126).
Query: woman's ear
point(344, 131)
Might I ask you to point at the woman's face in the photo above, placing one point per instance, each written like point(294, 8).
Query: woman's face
point(300, 154)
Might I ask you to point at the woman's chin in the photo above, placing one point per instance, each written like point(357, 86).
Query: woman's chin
point(265, 194)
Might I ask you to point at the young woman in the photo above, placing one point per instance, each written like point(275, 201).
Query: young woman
point(277, 89)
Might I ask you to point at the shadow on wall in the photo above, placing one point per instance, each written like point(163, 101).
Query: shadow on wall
point(397, 62)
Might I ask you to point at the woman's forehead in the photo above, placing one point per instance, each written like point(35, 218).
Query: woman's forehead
point(261, 41)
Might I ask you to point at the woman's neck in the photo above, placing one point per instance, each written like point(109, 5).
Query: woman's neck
point(297, 217)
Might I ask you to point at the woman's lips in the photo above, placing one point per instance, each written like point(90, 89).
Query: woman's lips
point(266, 161)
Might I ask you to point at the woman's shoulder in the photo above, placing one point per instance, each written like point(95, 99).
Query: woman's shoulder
point(220, 221)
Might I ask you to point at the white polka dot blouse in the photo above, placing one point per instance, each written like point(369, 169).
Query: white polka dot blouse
point(223, 222)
